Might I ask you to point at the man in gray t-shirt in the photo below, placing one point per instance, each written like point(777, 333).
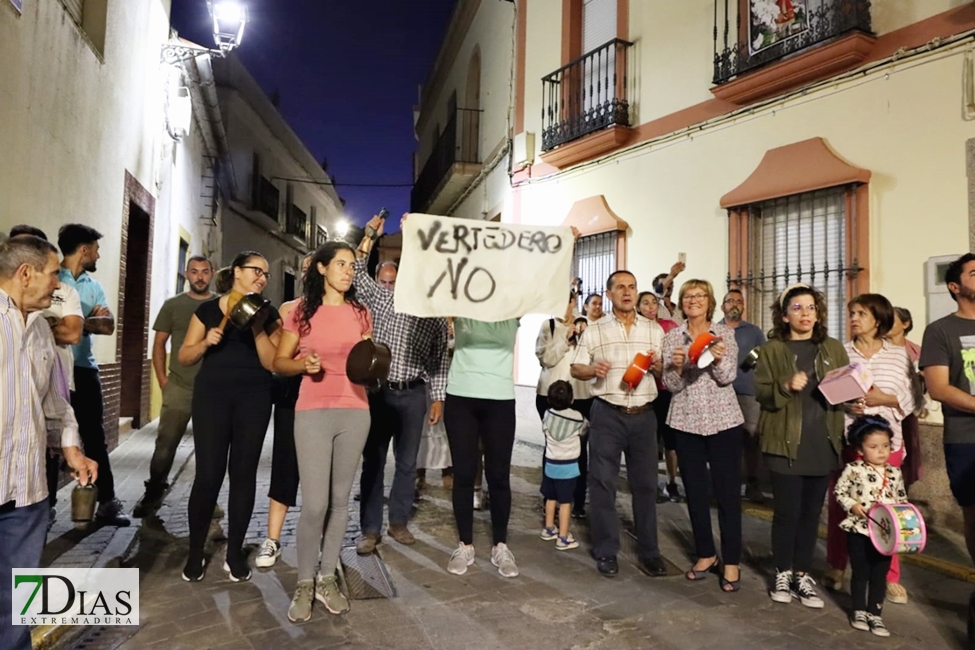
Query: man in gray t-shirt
point(177, 386)
point(948, 362)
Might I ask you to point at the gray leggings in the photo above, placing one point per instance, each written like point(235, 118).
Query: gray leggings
point(329, 443)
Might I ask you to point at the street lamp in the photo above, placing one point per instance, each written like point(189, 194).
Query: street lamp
point(342, 228)
point(229, 20)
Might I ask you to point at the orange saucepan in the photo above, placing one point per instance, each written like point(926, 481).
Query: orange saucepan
point(635, 373)
point(699, 354)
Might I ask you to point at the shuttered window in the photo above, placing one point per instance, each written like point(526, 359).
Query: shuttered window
point(800, 238)
point(594, 260)
point(598, 28)
point(598, 23)
point(76, 9)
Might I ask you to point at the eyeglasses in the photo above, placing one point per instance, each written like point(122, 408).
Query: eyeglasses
point(799, 309)
point(692, 297)
point(734, 301)
point(258, 271)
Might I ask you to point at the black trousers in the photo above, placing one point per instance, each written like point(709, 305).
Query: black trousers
point(722, 453)
point(613, 433)
point(89, 410)
point(584, 406)
point(869, 583)
point(472, 423)
point(795, 521)
point(226, 423)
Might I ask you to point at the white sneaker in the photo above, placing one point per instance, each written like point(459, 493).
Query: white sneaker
point(504, 559)
point(781, 592)
point(460, 559)
point(269, 554)
point(877, 626)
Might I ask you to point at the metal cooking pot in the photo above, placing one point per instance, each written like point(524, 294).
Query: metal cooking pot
point(751, 359)
point(251, 308)
point(368, 363)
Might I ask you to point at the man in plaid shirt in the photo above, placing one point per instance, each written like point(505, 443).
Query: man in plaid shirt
point(398, 409)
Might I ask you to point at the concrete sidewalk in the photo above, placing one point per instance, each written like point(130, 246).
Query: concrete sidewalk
point(558, 601)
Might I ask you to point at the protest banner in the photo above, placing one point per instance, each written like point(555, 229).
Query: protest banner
point(481, 269)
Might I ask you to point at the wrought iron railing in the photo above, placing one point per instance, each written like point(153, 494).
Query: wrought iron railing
point(267, 197)
point(296, 223)
point(586, 95)
point(459, 143)
point(751, 33)
point(321, 236)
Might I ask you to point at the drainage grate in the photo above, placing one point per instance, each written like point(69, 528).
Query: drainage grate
point(365, 576)
point(629, 550)
point(105, 638)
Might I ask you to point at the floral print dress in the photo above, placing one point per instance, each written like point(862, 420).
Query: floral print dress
point(863, 484)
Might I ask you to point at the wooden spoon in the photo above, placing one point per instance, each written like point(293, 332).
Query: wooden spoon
point(232, 299)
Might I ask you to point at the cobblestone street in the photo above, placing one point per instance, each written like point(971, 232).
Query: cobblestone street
point(558, 601)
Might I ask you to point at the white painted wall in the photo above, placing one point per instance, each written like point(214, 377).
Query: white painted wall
point(71, 125)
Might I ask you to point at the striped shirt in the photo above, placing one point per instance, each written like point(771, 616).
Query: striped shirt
point(608, 340)
point(563, 434)
point(33, 399)
point(889, 367)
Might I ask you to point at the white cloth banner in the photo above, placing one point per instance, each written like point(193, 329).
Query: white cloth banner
point(483, 270)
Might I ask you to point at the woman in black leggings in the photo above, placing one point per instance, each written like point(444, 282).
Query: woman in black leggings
point(231, 411)
point(480, 411)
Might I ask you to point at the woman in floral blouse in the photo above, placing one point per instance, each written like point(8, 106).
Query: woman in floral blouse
point(866, 482)
point(706, 419)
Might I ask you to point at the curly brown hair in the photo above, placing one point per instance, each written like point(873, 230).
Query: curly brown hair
point(780, 325)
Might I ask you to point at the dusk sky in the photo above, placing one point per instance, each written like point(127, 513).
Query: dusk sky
point(347, 73)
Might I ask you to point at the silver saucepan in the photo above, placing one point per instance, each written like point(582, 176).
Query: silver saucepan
point(251, 308)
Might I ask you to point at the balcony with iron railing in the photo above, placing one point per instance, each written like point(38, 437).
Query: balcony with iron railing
point(321, 236)
point(765, 47)
point(296, 222)
point(452, 166)
point(586, 95)
point(267, 198)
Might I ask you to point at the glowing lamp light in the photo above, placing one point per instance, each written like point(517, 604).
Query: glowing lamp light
point(342, 228)
point(229, 21)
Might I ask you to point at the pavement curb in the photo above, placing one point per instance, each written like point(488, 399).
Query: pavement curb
point(52, 637)
point(944, 567)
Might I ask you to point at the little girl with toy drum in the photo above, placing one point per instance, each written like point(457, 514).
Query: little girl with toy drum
point(867, 487)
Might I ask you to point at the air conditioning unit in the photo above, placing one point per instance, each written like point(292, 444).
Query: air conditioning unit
point(524, 149)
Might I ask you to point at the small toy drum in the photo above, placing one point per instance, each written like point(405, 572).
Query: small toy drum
point(896, 528)
point(699, 354)
point(637, 370)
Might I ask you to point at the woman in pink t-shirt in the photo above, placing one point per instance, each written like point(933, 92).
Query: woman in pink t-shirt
point(331, 418)
point(648, 304)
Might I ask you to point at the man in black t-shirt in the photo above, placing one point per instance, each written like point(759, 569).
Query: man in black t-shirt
point(948, 362)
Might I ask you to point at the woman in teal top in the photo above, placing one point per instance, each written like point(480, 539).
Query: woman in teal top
point(480, 412)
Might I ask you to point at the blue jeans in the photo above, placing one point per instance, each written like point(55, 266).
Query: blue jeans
point(397, 415)
point(22, 533)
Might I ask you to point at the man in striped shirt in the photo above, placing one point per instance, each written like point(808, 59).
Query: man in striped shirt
point(33, 400)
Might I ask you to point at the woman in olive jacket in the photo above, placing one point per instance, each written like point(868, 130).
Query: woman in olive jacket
point(801, 433)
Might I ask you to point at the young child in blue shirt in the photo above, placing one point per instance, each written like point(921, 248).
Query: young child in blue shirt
point(564, 428)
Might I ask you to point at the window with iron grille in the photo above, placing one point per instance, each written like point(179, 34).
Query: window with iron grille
point(594, 260)
point(801, 238)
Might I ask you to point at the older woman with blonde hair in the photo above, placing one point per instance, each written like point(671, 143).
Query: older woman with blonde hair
point(706, 420)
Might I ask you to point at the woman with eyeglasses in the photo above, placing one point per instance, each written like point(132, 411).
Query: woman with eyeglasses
point(706, 423)
point(231, 411)
point(801, 433)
